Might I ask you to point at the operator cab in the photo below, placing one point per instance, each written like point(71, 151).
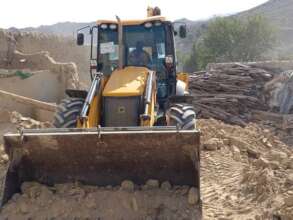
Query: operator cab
point(148, 43)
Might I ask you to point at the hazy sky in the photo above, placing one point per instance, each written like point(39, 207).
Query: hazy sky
point(23, 13)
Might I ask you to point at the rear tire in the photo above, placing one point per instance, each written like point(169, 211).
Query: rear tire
point(67, 113)
point(182, 116)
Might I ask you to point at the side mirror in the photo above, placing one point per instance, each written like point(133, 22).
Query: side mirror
point(182, 31)
point(80, 39)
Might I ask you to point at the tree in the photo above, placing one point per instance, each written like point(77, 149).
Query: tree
point(231, 39)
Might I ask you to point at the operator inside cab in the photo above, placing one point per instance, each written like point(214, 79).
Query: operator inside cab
point(139, 57)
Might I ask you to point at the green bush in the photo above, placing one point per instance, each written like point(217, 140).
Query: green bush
point(231, 39)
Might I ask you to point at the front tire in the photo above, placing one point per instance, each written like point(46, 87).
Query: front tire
point(67, 113)
point(182, 116)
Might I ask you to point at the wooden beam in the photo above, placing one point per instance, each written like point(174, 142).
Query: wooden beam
point(28, 101)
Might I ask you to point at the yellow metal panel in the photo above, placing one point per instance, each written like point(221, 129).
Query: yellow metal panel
point(129, 81)
point(133, 22)
point(183, 77)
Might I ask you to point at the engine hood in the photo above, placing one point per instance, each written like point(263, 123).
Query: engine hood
point(129, 81)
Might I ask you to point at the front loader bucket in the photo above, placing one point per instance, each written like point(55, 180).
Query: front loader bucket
point(101, 157)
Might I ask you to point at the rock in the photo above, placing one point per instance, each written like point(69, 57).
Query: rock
point(236, 153)
point(34, 190)
point(166, 185)
point(290, 163)
point(278, 156)
point(31, 189)
point(90, 201)
point(275, 165)
point(262, 163)
point(15, 197)
point(213, 144)
point(278, 201)
point(226, 141)
point(23, 208)
point(252, 153)
point(242, 145)
point(184, 190)
point(257, 217)
point(127, 185)
point(288, 201)
point(152, 184)
point(4, 158)
point(193, 196)
point(75, 192)
point(289, 179)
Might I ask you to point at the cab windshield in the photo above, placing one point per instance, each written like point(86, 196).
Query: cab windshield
point(144, 45)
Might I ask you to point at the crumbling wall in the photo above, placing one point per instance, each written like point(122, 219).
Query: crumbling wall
point(36, 76)
point(61, 48)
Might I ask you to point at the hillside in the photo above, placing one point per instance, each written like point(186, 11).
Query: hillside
point(279, 13)
point(66, 29)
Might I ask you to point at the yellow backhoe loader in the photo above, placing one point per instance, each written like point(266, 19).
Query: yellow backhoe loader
point(135, 122)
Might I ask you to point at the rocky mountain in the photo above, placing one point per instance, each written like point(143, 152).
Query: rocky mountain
point(280, 14)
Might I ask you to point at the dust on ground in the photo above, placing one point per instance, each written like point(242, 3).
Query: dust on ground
point(71, 201)
point(246, 173)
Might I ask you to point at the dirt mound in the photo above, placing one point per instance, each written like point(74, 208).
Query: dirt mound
point(246, 176)
point(153, 200)
point(27, 123)
point(69, 201)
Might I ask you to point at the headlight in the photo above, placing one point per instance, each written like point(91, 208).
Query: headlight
point(148, 25)
point(113, 26)
point(104, 26)
point(158, 23)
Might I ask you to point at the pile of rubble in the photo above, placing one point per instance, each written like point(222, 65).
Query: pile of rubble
point(247, 172)
point(128, 201)
point(246, 169)
point(153, 200)
point(27, 123)
point(230, 92)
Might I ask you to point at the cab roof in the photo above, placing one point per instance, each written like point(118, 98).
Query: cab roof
point(133, 22)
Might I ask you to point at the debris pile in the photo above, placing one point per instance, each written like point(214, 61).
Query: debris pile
point(249, 175)
point(246, 173)
point(246, 170)
point(27, 123)
point(128, 201)
point(230, 92)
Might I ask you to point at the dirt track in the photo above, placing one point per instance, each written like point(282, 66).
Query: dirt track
point(246, 174)
point(249, 176)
